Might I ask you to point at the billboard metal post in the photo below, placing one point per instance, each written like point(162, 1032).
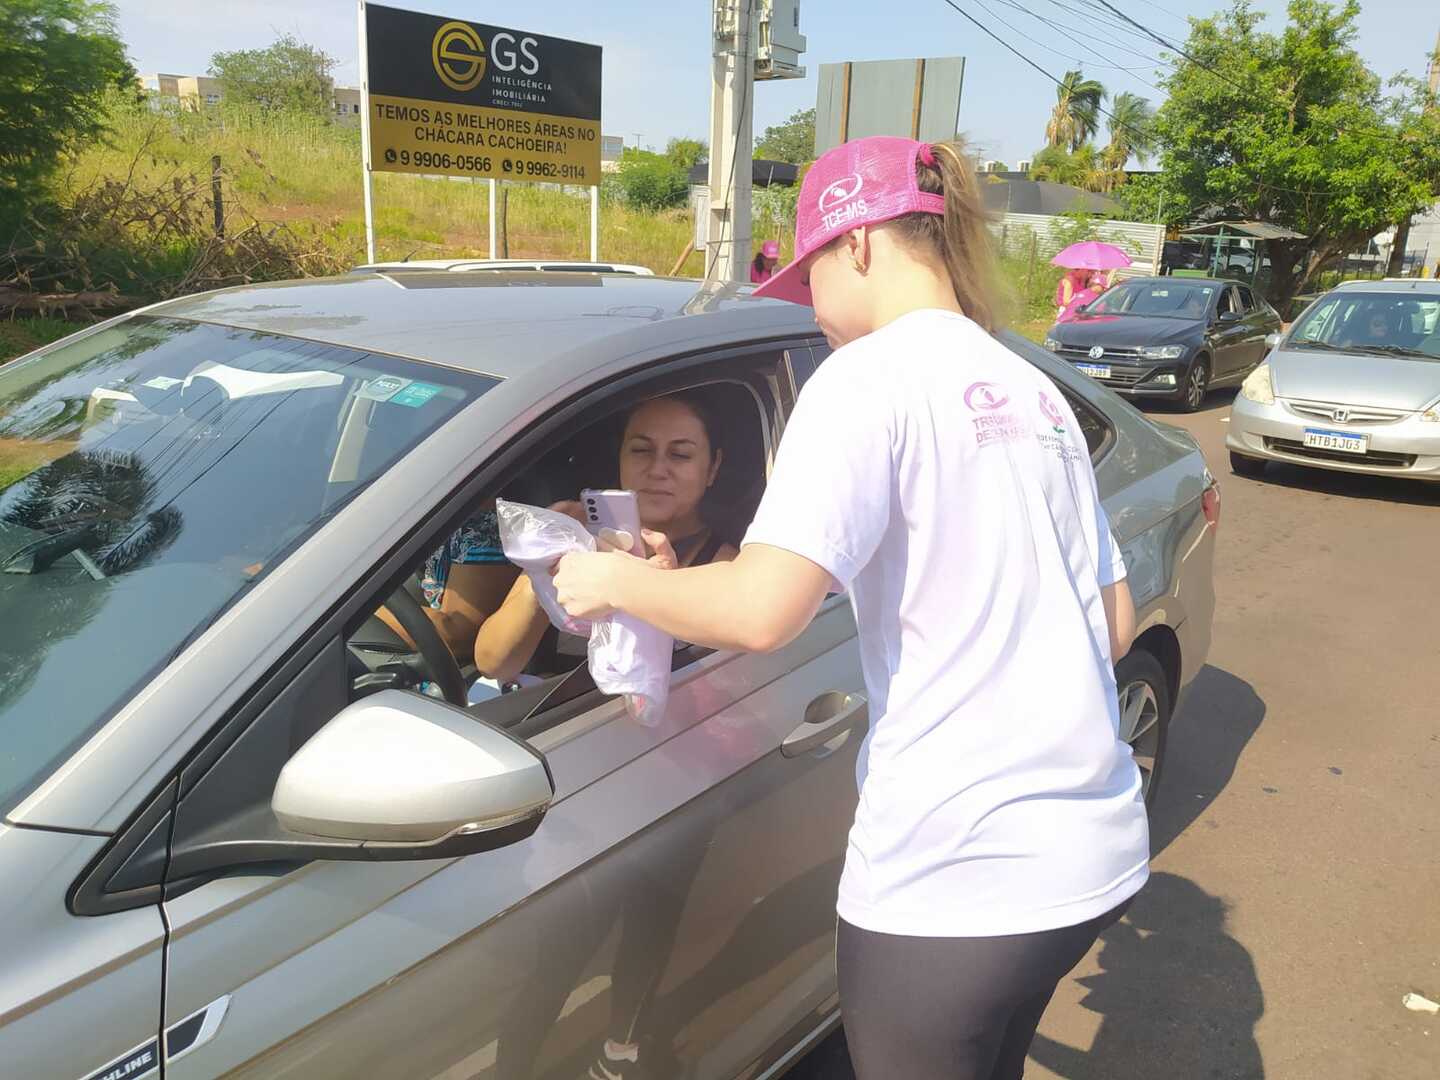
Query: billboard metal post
point(595, 223)
point(492, 217)
point(365, 140)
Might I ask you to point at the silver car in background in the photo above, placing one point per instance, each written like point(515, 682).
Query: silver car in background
point(1354, 386)
point(251, 831)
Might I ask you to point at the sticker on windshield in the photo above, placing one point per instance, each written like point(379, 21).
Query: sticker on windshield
point(383, 388)
point(162, 382)
point(415, 395)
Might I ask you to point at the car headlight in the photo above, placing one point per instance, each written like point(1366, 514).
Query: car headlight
point(1431, 415)
point(1053, 344)
point(1258, 386)
point(1162, 352)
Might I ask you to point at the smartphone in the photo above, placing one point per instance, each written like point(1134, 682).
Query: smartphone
point(614, 510)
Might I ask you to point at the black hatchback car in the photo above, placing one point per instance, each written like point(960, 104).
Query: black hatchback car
point(1167, 337)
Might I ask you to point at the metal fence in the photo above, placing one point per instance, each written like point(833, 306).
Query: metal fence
point(1143, 242)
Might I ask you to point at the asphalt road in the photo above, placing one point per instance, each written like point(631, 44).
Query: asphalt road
point(1295, 896)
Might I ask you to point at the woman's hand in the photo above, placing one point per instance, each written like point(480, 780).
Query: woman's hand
point(661, 553)
point(585, 582)
point(570, 508)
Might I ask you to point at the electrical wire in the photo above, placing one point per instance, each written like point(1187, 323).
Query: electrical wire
point(1031, 63)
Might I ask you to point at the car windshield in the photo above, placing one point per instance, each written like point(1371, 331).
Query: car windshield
point(149, 473)
point(1168, 300)
point(1398, 324)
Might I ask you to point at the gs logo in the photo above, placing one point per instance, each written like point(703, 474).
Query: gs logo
point(459, 56)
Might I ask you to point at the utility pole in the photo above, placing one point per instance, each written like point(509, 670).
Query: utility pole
point(732, 136)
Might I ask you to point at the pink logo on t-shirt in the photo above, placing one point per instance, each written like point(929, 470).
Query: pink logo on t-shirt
point(985, 396)
point(1052, 412)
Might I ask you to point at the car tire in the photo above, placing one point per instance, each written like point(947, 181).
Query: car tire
point(1249, 467)
point(1196, 386)
point(1144, 692)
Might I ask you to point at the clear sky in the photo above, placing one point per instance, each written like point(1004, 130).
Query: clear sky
point(657, 52)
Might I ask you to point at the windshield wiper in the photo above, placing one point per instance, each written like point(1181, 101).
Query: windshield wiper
point(1397, 350)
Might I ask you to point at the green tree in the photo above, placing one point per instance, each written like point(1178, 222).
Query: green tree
point(288, 75)
point(1292, 128)
point(57, 60)
point(1076, 115)
point(687, 153)
point(1081, 168)
point(792, 141)
point(652, 181)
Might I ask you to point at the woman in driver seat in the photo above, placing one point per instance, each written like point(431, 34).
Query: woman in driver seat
point(670, 457)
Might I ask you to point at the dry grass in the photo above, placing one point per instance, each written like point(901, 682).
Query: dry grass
point(306, 173)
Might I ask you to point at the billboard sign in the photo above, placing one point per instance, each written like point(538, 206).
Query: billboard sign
point(917, 99)
point(456, 98)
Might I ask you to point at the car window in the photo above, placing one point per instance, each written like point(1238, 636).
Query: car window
point(1373, 320)
point(1096, 429)
point(1168, 299)
point(554, 683)
point(1247, 299)
point(1226, 303)
point(150, 473)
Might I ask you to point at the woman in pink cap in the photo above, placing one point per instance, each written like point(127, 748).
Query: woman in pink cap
point(944, 483)
point(764, 265)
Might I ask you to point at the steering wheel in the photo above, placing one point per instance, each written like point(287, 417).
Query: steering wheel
point(431, 646)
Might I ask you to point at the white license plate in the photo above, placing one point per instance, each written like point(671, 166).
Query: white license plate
point(1320, 439)
point(1095, 371)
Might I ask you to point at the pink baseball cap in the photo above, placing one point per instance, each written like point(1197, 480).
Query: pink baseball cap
point(770, 249)
point(863, 182)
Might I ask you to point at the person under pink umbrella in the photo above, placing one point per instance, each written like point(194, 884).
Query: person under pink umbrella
point(1071, 282)
point(1094, 284)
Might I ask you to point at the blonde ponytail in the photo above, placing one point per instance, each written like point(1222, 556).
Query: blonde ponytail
point(961, 238)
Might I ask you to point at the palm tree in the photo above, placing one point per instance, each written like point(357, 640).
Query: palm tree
point(1132, 131)
point(1076, 115)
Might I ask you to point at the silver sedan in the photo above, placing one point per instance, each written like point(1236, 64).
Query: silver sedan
point(248, 830)
point(1354, 386)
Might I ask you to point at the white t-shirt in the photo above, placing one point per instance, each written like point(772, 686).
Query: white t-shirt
point(946, 484)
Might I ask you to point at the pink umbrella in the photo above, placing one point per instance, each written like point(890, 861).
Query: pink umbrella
point(1091, 255)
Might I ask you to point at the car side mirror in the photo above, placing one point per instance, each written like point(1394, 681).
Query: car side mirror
point(411, 777)
point(1229, 317)
point(1272, 341)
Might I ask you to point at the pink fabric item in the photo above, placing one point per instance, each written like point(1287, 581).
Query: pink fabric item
point(770, 249)
point(1079, 300)
point(864, 182)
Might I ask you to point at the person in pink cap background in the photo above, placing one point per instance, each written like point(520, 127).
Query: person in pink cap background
point(944, 483)
point(763, 266)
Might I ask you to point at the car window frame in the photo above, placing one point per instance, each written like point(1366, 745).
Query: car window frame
point(563, 701)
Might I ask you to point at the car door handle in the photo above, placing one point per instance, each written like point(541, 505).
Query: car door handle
point(828, 716)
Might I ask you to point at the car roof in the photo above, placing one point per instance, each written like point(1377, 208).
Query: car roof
point(1393, 285)
point(460, 265)
point(504, 323)
point(1177, 280)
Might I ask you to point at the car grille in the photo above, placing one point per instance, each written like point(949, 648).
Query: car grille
point(1082, 352)
point(1354, 414)
point(1378, 458)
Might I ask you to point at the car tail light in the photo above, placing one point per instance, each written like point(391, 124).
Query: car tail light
point(1210, 502)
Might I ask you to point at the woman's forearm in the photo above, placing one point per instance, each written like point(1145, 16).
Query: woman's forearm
point(508, 639)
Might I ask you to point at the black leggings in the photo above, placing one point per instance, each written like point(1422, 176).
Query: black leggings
point(927, 1008)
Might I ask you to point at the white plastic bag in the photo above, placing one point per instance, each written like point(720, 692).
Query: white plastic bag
point(627, 656)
